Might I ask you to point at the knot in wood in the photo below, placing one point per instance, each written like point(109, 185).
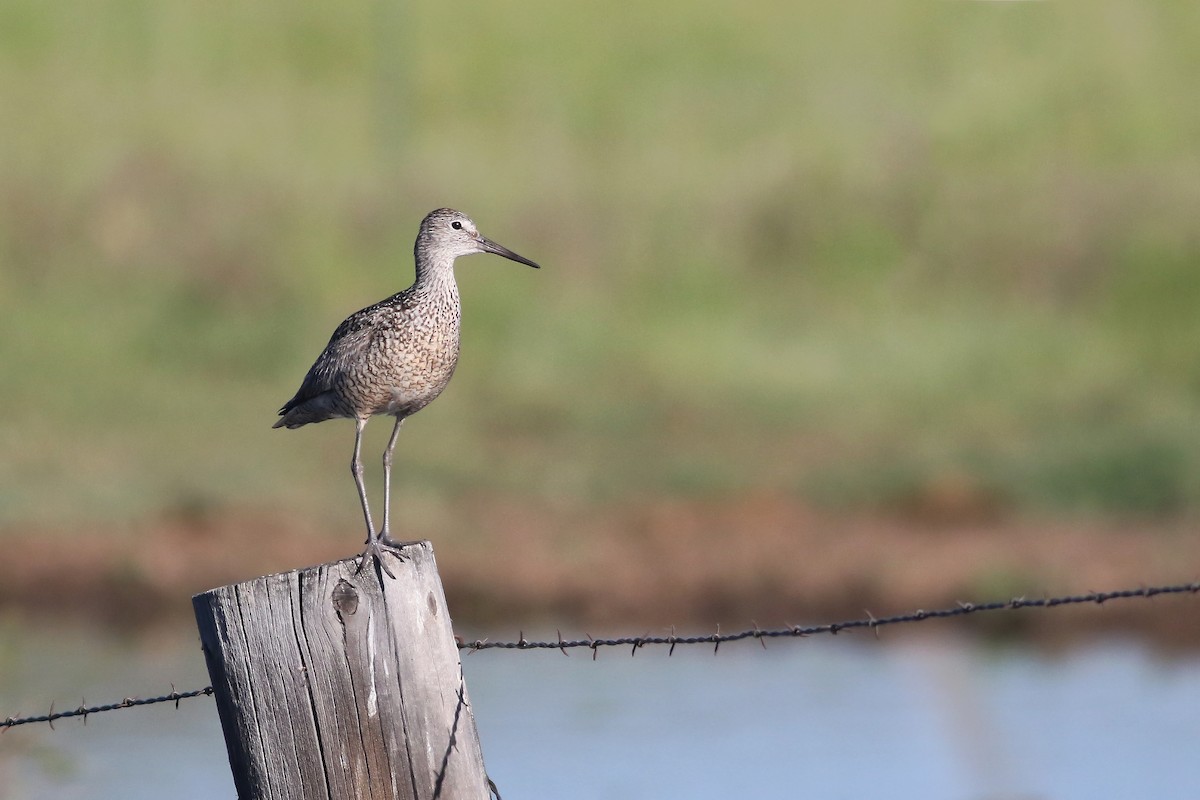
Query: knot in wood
point(345, 598)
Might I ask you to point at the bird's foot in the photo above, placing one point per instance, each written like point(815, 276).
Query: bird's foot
point(376, 547)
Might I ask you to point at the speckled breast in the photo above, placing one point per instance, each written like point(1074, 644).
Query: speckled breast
point(417, 372)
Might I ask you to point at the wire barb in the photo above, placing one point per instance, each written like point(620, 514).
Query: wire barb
point(873, 622)
point(758, 634)
point(561, 645)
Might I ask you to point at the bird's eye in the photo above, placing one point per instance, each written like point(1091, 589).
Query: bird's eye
point(456, 225)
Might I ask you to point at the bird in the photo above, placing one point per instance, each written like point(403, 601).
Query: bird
point(394, 357)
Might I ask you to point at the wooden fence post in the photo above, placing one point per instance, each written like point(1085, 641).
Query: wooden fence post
point(332, 685)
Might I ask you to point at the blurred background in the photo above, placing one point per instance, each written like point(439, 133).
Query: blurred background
point(845, 307)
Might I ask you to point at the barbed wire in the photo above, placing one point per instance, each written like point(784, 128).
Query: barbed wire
point(82, 711)
point(715, 639)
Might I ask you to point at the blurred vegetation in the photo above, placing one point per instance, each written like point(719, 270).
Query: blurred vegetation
point(865, 253)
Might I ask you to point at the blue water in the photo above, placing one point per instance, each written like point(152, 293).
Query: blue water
point(845, 717)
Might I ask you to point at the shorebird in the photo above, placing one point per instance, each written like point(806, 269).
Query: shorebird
point(394, 357)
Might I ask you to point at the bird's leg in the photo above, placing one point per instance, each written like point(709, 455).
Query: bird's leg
point(385, 534)
point(356, 469)
point(374, 546)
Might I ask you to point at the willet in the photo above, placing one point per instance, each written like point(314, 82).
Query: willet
point(394, 357)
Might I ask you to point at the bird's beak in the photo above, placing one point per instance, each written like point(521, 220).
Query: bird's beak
point(488, 246)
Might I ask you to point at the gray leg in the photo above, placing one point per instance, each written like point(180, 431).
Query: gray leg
point(356, 469)
point(385, 534)
point(375, 548)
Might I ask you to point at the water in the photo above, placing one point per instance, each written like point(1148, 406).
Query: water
point(827, 717)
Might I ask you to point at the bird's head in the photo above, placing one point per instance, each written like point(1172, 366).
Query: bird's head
point(447, 234)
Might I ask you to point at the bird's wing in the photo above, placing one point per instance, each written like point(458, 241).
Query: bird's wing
point(345, 346)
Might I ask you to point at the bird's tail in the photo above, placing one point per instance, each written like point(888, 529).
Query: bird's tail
point(314, 409)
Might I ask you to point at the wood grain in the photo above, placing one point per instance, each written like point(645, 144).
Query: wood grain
point(336, 685)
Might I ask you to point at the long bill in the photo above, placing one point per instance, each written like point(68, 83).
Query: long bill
point(488, 246)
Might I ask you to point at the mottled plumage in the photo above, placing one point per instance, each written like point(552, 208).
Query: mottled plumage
point(396, 356)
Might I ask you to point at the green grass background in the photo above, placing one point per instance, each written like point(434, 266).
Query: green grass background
point(847, 251)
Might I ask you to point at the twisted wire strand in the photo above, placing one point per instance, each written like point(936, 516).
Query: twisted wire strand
point(796, 631)
point(82, 711)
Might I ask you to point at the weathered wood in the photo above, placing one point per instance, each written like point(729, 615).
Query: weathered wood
point(332, 685)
